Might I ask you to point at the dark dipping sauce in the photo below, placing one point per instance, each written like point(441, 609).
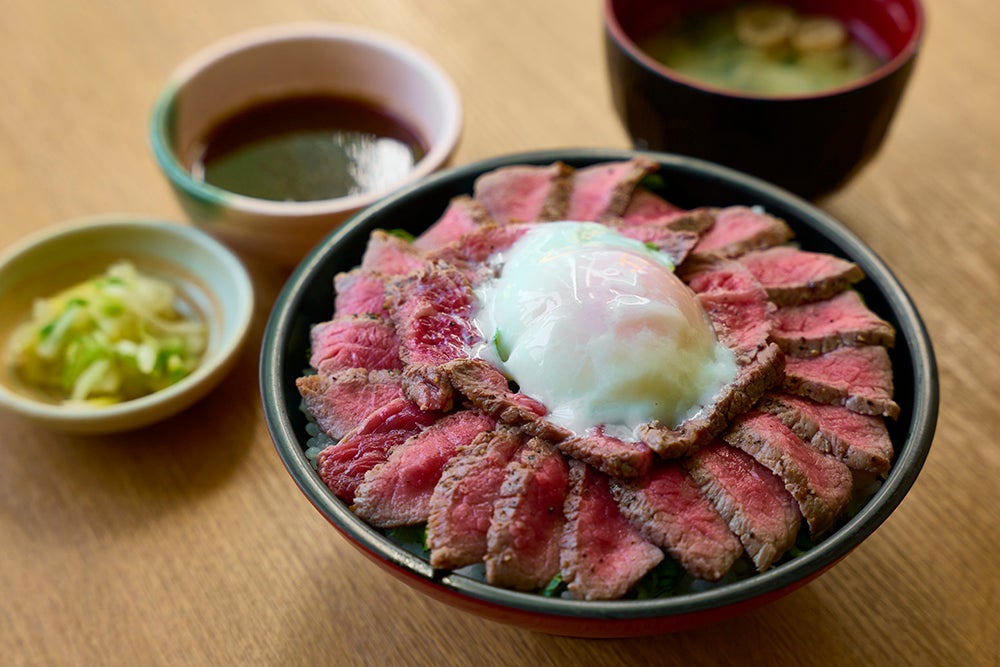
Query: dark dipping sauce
point(308, 148)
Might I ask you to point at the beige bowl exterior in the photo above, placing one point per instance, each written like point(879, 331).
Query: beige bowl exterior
point(208, 277)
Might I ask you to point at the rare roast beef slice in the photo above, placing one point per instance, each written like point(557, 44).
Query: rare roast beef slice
point(461, 505)
point(647, 208)
point(860, 441)
point(738, 230)
point(525, 193)
point(792, 276)
point(752, 500)
point(486, 388)
point(859, 378)
point(610, 455)
point(735, 303)
point(428, 386)
point(525, 531)
point(603, 556)
point(604, 190)
point(820, 484)
point(718, 275)
point(677, 245)
point(398, 491)
point(463, 215)
point(343, 466)
point(753, 380)
point(810, 329)
point(478, 245)
point(697, 220)
point(391, 255)
point(741, 321)
point(356, 341)
point(359, 293)
point(670, 510)
point(738, 309)
point(339, 402)
point(432, 310)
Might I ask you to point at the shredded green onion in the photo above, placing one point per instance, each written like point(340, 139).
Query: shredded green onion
point(112, 338)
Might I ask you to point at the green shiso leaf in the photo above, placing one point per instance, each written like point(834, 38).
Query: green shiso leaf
point(554, 587)
point(503, 352)
point(401, 233)
point(662, 580)
point(652, 182)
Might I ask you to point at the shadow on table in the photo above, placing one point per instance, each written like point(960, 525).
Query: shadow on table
point(118, 483)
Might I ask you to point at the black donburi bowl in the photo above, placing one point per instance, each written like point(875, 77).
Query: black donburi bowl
point(307, 298)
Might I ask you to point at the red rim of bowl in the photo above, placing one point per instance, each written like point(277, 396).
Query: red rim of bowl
point(905, 54)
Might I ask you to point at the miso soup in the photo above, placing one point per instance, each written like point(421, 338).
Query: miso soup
point(762, 50)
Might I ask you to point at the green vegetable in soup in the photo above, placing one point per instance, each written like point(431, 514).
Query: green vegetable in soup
point(113, 338)
point(762, 49)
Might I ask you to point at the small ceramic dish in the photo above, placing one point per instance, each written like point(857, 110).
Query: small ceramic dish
point(689, 183)
point(208, 278)
point(284, 61)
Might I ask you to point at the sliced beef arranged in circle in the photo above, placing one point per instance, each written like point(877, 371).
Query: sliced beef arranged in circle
point(463, 215)
point(602, 554)
point(820, 484)
point(397, 492)
point(698, 220)
point(342, 466)
point(524, 536)
point(612, 456)
point(604, 190)
point(753, 380)
point(525, 193)
point(675, 244)
point(432, 311)
point(359, 293)
point(648, 208)
point(354, 341)
point(670, 510)
point(339, 402)
point(739, 311)
point(479, 245)
point(815, 328)
point(752, 500)
point(428, 433)
point(860, 441)
point(859, 378)
point(461, 506)
point(793, 276)
point(487, 389)
point(391, 255)
point(736, 305)
point(738, 230)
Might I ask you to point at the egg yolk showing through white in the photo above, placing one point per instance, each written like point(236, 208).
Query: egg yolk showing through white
point(598, 328)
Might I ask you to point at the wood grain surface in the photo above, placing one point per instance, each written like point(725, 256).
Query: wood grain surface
point(188, 544)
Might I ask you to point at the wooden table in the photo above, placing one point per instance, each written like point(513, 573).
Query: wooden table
point(188, 544)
